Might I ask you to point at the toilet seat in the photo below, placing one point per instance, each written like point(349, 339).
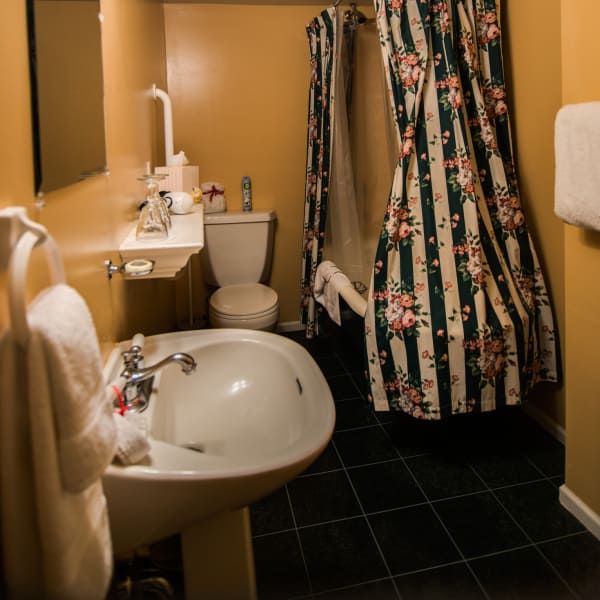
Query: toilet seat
point(246, 305)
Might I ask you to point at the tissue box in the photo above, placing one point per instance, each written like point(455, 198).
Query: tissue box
point(178, 179)
point(213, 196)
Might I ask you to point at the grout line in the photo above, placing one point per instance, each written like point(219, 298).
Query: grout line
point(385, 563)
point(343, 588)
point(270, 533)
point(534, 465)
point(381, 554)
point(425, 569)
point(310, 587)
point(460, 553)
point(357, 428)
point(305, 475)
point(348, 399)
point(499, 552)
point(527, 536)
point(562, 537)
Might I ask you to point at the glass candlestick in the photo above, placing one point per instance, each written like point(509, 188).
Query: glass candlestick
point(154, 221)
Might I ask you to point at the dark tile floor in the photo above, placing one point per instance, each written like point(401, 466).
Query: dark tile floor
point(397, 508)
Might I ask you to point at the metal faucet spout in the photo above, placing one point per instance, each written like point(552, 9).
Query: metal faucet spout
point(135, 397)
point(137, 375)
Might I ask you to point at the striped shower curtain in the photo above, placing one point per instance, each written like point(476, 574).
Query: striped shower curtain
point(459, 318)
point(322, 41)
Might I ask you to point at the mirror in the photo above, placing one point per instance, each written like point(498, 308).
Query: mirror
point(67, 92)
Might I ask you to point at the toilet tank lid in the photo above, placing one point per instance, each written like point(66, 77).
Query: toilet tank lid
point(254, 216)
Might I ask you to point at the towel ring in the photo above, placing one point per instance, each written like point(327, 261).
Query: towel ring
point(17, 277)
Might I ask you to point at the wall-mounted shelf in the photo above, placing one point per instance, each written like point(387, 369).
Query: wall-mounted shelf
point(186, 237)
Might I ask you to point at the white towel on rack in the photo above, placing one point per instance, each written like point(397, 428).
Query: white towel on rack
point(577, 150)
point(72, 436)
point(329, 280)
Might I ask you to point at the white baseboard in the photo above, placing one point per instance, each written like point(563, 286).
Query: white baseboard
point(290, 326)
point(580, 510)
point(552, 427)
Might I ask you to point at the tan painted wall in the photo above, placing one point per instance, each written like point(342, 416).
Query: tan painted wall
point(374, 147)
point(580, 83)
point(529, 68)
point(90, 219)
point(238, 78)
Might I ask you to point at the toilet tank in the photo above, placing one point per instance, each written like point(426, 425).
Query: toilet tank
point(238, 247)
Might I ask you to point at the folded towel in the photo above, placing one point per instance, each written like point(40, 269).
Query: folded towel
point(86, 434)
point(132, 438)
point(70, 437)
point(329, 280)
point(577, 150)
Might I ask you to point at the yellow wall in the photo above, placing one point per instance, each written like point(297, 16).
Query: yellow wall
point(90, 219)
point(532, 59)
point(238, 78)
point(373, 142)
point(580, 83)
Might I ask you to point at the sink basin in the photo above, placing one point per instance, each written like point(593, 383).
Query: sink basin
point(255, 413)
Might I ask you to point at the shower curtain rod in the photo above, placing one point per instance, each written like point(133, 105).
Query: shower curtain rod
point(360, 17)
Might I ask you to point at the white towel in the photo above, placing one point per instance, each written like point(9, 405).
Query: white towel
point(577, 150)
point(329, 280)
point(67, 436)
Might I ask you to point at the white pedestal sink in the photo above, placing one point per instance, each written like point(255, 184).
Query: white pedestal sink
point(257, 411)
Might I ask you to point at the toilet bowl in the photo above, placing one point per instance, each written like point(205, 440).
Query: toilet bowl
point(236, 258)
point(244, 306)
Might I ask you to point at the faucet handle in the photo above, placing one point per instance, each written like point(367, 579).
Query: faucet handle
point(132, 357)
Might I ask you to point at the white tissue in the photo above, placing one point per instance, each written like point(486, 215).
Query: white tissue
point(132, 438)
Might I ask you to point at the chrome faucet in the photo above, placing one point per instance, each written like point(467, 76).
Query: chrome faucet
point(136, 394)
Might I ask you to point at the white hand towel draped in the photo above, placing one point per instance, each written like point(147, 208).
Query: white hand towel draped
point(577, 150)
point(58, 436)
point(329, 281)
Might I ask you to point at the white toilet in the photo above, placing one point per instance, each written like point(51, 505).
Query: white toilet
point(238, 247)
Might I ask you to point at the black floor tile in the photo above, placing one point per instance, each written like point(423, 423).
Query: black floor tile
point(547, 453)
point(340, 554)
point(321, 498)
point(279, 567)
point(479, 525)
point(557, 481)
point(442, 477)
point(536, 508)
point(442, 583)
point(318, 347)
point(385, 486)
point(353, 413)
point(331, 366)
point(412, 437)
point(327, 461)
point(412, 538)
point(577, 559)
point(519, 574)
point(351, 357)
point(377, 590)
point(360, 379)
point(343, 387)
point(504, 467)
point(363, 446)
point(271, 514)
point(384, 417)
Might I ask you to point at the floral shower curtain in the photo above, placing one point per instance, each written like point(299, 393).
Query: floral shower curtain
point(321, 36)
point(459, 318)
